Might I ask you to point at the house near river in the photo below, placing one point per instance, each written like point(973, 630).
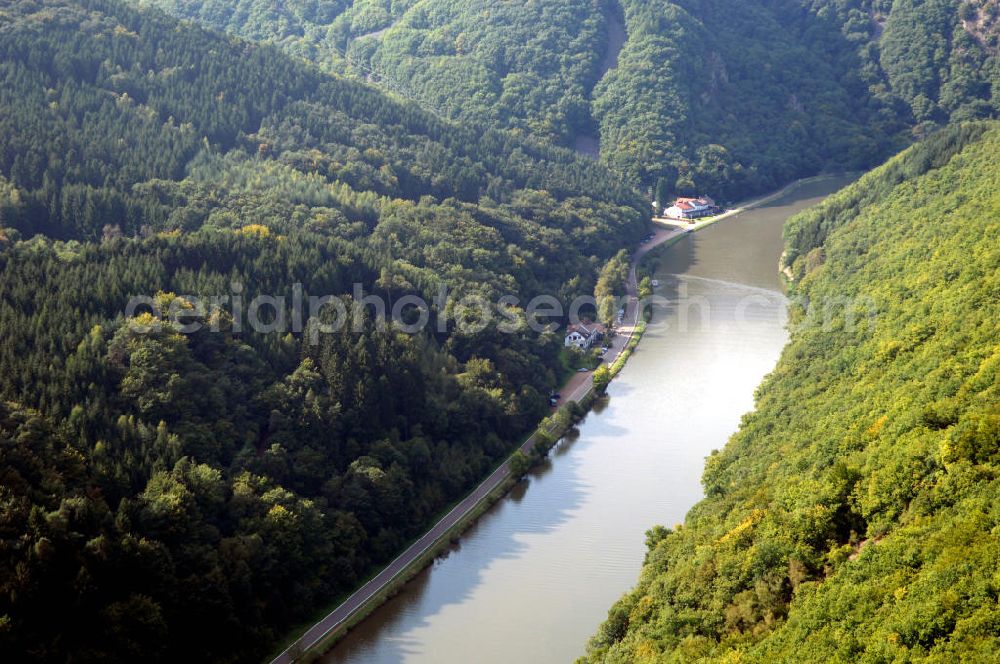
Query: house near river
point(584, 335)
point(692, 208)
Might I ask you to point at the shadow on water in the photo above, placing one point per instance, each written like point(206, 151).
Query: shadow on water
point(679, 258)
point(683, 255)
point(621, 390)
point(567, 443)
point(599, 406)
point(424, 599)
point(601, 482)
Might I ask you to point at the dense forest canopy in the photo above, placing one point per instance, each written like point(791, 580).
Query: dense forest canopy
point(524, 66)
point(727, 96)
point(176, 496)
point(172, 496)
point(855, 515)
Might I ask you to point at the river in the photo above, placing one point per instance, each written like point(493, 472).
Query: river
point(533, 579)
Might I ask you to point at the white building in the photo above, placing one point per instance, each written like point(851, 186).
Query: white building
point(692, 208)
point(584, 335)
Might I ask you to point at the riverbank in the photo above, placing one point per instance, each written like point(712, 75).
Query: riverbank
point(534, 576)
point(578, 396)
point(748, 205)
point(323, 635)
point(313, 653)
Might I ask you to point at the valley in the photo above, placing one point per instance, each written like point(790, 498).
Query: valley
point(633, 462)
point(293, 293)
point(589, 145)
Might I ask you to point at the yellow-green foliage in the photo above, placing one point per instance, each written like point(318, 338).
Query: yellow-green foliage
point(255, 230)
point(855, 517)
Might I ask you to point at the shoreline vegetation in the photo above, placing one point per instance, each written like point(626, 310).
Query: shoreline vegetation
point(184, 488)
point(833, 519)
point(537, 447)
point(750, 204)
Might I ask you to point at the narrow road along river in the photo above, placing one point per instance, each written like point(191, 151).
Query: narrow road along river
point(535, 577)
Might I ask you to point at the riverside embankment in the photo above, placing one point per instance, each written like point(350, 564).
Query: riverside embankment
point(420, 553)
point(535, 575)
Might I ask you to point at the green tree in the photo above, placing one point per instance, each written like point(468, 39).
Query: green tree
point(519, 464)
point(602, 378)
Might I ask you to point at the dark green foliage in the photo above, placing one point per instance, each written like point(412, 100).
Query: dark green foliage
point(725, 96)
point(936, 64)
point(315, 461)
point(189, 497)
point(171, 497)
point(730, 96)
point(855, 515)
point(520, 464)
point(611, 286)
point(74, 98)
point(523, 66)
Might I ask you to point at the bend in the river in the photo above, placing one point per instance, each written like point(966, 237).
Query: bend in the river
point(533, 579)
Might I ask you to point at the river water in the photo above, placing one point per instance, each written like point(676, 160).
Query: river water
point(534, 578)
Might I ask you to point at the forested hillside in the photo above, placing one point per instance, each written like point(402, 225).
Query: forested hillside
point(734, 97)
point(726, 96)
point(855, 515)
point(523, 66)
point(172, 497)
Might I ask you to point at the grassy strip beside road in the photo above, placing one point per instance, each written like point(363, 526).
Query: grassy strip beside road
point(619, 364)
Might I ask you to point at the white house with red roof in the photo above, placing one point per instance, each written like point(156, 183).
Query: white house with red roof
point(692, 208)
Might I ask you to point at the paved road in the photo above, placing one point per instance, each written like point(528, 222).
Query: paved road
point(577, 387)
